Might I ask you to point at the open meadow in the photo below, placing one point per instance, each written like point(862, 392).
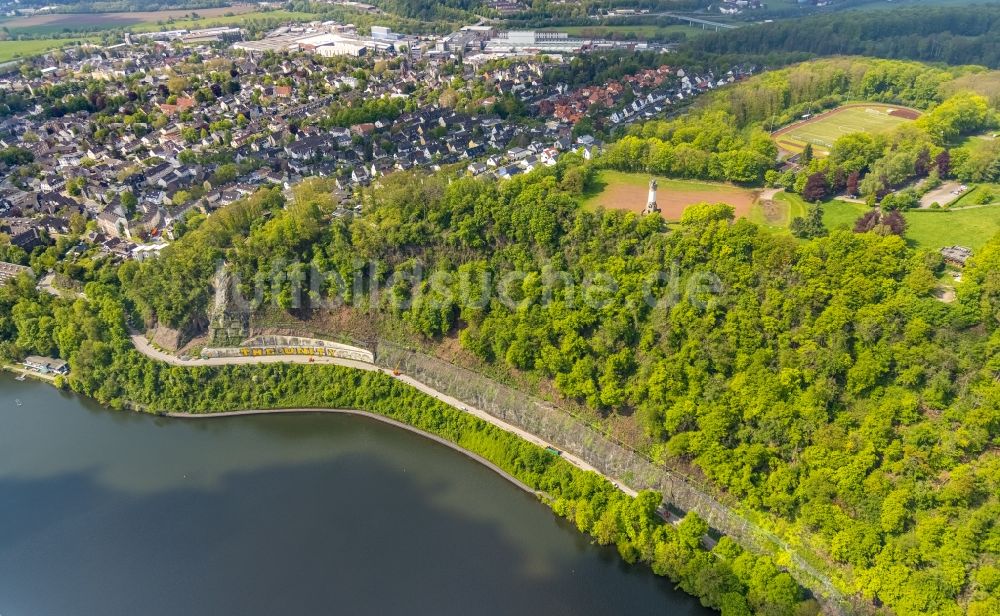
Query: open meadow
point(628, 191)
point(930, 229)
point(823, 129)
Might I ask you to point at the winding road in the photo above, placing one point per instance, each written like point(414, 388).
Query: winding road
point(143, 346)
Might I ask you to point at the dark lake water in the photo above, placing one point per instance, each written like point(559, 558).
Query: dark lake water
point(107, 513)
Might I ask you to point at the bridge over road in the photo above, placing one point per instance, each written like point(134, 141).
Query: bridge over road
point(697, 21)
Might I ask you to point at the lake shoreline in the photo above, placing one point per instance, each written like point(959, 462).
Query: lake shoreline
point(369, 415)
point(293, 514)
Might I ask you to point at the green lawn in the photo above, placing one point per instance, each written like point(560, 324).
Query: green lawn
point(970, 227)
point(931, 229)
point(842, 214)
point(971, 197)
point(971, 139)
point(836, 214)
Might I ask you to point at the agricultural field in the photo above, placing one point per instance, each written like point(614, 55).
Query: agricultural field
point(628, 191)
point(224, 20)
point(823, 129)
point(141, 21)
point(12, 50)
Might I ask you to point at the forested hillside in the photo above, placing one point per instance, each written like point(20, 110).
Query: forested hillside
point(819, 382)
point(955, 35)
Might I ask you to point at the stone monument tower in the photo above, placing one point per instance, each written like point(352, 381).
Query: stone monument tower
point(651, 201)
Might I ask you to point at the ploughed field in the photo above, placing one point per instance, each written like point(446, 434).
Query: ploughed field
point(59, 22)
point(823, 129)
point(629, 191)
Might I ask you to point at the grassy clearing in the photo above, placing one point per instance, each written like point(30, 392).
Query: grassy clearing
point(628, 191)
point(826, 128)
point(971, 227)
point(974, 139)
point(12, 50)
point(777, 214)
point(842, 214)
point(930, 229)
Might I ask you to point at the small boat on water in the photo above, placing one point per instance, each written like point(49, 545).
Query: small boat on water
point(18, 402)
point(20, 377)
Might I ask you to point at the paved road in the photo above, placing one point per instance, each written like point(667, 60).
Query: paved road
point(143, 346)
point(47, 285)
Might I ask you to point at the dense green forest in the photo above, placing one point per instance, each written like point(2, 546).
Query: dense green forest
point(955, 35)
point(819, 381)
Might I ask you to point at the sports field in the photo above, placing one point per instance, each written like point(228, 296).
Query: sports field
point(628, 191)
point(822, 130)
